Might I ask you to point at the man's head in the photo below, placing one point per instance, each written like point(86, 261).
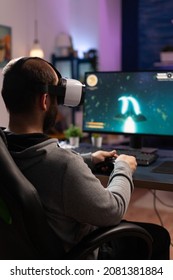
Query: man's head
point(26, 92)
point(24, 80)
point(32, 85)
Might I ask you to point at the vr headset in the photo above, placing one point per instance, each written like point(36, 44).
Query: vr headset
point(69, 92)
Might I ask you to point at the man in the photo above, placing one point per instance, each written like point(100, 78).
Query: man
point(74, 199)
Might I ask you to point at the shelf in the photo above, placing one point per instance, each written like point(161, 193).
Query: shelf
point(164, 65)
point(75, 65)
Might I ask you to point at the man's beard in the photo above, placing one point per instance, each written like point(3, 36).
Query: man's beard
point(50, 118)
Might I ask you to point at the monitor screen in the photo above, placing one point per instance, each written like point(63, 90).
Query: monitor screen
point(133, 103)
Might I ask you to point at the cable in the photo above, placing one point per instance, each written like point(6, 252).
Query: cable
point(155, 198)
point(161, 201)
point(155, 207)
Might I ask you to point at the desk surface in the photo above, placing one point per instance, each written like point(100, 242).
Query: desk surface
point(144, 177)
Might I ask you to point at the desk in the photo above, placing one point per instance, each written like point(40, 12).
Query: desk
point(145, 178)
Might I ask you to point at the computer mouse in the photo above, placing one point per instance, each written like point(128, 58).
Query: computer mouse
point(105, 167)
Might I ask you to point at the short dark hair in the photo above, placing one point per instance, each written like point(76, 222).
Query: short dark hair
point(25, 79)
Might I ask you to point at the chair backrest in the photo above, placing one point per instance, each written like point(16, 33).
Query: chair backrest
point(24, 231)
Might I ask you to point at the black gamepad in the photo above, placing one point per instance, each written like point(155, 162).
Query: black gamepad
point(105, 167)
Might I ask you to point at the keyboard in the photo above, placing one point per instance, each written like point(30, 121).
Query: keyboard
point(143, 157)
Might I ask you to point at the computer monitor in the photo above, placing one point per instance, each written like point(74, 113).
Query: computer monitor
point(136, 104)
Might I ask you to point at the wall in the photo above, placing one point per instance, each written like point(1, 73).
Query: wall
point(147, 28)
point(110, 30)
point(155, 30)
point(130, 35)
point(92, 24)
point(97, 24)
point(13, 14)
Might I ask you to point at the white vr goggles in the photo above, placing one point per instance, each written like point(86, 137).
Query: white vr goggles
point(69, 92)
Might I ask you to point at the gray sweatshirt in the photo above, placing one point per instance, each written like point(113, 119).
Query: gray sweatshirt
point(74, 199)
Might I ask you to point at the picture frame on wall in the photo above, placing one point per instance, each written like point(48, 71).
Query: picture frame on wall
point(5, 44)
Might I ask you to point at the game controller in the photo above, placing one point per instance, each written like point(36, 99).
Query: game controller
point(105, 167)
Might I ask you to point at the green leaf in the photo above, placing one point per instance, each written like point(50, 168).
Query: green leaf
point(73, 131)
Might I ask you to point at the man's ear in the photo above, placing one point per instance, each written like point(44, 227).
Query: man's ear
point(44, 103)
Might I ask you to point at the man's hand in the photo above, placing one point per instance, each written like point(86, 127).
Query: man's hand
point(100, 156)
point(131, 161)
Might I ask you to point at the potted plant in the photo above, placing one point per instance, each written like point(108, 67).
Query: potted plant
point(166, 54)
point(96, 139)
point(73, 134)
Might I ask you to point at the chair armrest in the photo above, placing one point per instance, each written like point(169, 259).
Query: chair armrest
point(101, 235)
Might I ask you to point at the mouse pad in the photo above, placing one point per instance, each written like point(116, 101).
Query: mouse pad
point(166, 167)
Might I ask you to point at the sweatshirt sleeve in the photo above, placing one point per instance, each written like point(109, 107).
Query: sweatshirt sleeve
point(88, 160)
point(87, 201)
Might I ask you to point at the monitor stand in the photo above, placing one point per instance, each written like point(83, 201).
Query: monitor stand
point(136, 142)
